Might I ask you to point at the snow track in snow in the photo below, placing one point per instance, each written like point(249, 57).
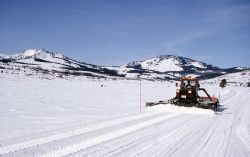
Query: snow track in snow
point(47, 139)
point(107, 136)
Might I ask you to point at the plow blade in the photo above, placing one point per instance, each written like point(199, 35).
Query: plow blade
point(149, 104)
point(203, 105)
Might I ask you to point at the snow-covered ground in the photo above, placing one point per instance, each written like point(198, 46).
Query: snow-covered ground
point(239, 78)
point(82, 117)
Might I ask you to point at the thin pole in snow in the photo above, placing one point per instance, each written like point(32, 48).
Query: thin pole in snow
point(219, 97)
point(140, 96)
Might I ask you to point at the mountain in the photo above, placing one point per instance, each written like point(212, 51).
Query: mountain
point(52, 62)
point(163, 67)
point(2, 56)
point(166, 63)
point(171, 67)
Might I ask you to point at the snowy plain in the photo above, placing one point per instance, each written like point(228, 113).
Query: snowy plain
point(98, 117)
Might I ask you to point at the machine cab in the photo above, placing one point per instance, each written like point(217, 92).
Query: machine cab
point(188, 88)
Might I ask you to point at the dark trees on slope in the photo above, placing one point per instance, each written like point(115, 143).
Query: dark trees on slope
point(223, 83)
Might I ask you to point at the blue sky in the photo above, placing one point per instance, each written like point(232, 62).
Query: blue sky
point(115, 32)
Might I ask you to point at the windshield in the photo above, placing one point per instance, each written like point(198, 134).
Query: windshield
point(188, 84)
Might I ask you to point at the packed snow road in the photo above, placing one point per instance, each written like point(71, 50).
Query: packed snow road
point(128, 133)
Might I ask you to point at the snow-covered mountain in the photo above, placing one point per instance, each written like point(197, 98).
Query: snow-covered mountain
point(43, 57)
point(163, 67)
point(169, 67)
point(52, 62)
point(2, 56)
point(166, 63)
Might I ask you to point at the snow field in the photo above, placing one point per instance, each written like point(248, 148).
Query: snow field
point(81, 117)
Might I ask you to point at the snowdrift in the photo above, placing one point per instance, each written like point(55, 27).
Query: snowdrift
point(181, 109)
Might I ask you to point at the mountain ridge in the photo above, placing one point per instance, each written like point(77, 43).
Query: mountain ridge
point(161, 67)
point(171, 67)
point(53, 62)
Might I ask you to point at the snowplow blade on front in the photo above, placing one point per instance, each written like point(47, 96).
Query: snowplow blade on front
point(203, 103)
point(148, 104)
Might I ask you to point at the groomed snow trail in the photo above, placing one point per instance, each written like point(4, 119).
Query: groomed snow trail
point(226, 133)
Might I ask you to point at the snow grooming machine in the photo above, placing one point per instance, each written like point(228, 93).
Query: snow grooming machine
point(187, 96)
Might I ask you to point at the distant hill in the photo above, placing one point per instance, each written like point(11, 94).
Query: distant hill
point(171, 67)
point(163, 67)
point(52, 62)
